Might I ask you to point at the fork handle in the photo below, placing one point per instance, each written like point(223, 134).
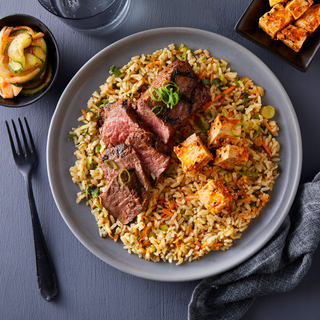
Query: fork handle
point(47, 279)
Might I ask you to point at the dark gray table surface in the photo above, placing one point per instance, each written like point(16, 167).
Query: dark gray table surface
point(90, 288)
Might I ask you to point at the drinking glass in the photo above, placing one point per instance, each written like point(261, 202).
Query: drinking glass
point(89, 15)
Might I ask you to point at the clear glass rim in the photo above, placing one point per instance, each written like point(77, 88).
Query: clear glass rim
point(74, 19)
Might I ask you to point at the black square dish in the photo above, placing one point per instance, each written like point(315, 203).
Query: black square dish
point(248, 27)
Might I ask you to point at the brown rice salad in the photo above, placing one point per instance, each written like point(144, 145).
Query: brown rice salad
point(177, 227)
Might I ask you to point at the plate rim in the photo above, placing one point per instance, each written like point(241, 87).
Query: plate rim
point(162, 277)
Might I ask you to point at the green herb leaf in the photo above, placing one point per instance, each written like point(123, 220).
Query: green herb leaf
point(246, 96)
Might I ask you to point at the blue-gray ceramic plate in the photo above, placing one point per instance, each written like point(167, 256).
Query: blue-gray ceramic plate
point(60, 155)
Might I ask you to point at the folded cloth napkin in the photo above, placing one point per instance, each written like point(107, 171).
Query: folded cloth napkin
point(278, 267)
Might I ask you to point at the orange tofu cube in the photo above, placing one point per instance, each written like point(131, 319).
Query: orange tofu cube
point(310, 20)
point(215, 196)
point(293, 37)
point(228, 156)
point(224, 131)
point(298, 7)
point(275, 20)
point(193, 154)
point(274, 2)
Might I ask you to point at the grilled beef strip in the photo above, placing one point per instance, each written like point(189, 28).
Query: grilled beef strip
point(121, 125)
point(125, 157)
point(192, 95)
point(124, 200)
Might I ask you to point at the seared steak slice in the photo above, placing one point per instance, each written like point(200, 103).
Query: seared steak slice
point(125, 202)
point(152, 151)
point(124, 157)
point(118, 121)
point(192, 95)
point(121, 125)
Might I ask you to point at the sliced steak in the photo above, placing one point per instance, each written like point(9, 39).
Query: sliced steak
point(152, 151)
point(118, 120)
point(192, 95)
point(120, 124)
point(125, 202)
point(124, 157)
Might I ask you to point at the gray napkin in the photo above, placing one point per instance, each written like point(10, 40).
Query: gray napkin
point(278, 267)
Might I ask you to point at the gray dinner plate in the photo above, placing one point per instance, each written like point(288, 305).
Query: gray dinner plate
point(60, 153)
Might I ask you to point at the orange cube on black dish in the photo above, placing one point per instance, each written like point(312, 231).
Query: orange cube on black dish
point(293, 37)
point(298, 7)
point(275, 20)
point(310, 20)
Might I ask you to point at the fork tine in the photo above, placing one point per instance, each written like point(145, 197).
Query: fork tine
point(33, 149)
point(17, 138)
point(14, 152)
point(24, 137)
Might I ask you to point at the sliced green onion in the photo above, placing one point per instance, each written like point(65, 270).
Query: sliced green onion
point(181, 46)
point(102, 103)
point(120, 179)
point(245, 173)
point(184, 55)
point(71, 137)
point(267, 112)
point(224, 112)
point(158, 93)
point(166, 93)
point(114, 165)
point(164, 227)
point(236, 125)
point(84, 132)
point(256, 116)
point(114, 70)
point(98, 205)
point(151, 234)
point(89, 164)
point(223, 79)
point(155, 114)
point(205, 81)
point(215, 81)
point(97, 149)
point(203, 124)
point(236, 80)
point(95, 192)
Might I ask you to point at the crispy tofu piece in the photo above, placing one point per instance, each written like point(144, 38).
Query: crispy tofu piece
point(221, 131)
point(274, 2)
point(293, 37)
point(298, 7)
point(215, 196)
point(275, 20)
point(228, 156)
point(193, 154)
point(310, 20)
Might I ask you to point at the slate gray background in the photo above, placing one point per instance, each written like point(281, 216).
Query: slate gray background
point(89, 288)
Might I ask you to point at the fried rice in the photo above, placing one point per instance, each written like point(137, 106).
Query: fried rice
point(176, 226)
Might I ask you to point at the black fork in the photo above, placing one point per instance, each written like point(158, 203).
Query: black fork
point(26, 160)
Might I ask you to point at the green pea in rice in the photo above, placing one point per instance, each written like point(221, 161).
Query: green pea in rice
point(190, 231)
